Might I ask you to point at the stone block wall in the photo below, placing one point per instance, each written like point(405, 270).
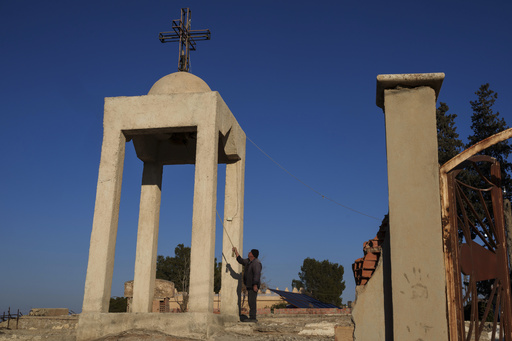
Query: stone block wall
point(48, 312)
point(43, 322)
point(311, 311)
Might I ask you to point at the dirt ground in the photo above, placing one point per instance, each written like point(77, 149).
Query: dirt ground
point(288, 328)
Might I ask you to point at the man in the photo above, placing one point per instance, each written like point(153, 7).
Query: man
point(252, 277)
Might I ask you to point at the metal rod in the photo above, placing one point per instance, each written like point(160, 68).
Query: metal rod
point(185, 36)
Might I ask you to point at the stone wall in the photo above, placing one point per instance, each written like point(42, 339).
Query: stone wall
point(312, 311)
point(43, 322)
point(49, 312)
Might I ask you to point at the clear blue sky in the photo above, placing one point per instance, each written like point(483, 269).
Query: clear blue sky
point(300, 77)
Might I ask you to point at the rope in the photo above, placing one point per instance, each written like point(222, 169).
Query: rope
point(302, 182)
point(311, 188)
point(227, 234)
point(224, 228)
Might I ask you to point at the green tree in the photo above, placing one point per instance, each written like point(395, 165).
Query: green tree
point(118, 305)
point(448, 142)
point(177, 269)
point(485, 123)
point(217, 276)
point(322, 280)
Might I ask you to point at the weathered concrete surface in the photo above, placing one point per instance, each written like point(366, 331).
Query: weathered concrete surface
point(233, 233)
point(92, 326)
point(147, 238)
point(179, 82)
point(98, 282)
point(411, 80)
point(297, 328)
point(417, 264)
point(202, 248)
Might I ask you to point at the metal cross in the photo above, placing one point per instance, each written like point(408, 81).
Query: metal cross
point(187, 38)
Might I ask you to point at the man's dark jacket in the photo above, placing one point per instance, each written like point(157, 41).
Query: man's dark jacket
point(252, 274)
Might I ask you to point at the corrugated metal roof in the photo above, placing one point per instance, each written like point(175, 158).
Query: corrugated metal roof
point(301, 300)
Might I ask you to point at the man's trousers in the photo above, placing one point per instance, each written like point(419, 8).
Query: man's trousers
point(252, 303)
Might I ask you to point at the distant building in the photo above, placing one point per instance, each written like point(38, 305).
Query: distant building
point(164, 292)
point(166, 298)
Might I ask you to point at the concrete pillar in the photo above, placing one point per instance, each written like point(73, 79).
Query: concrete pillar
point(147, 238)
point(233, 233)
point(98, 282)
point(417, 265)
point(203, 219)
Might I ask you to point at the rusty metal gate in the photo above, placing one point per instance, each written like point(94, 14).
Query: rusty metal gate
point(476, 260)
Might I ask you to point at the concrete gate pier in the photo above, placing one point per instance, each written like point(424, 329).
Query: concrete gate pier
point(180, 121)
point(418, 285)
point(405, 299)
